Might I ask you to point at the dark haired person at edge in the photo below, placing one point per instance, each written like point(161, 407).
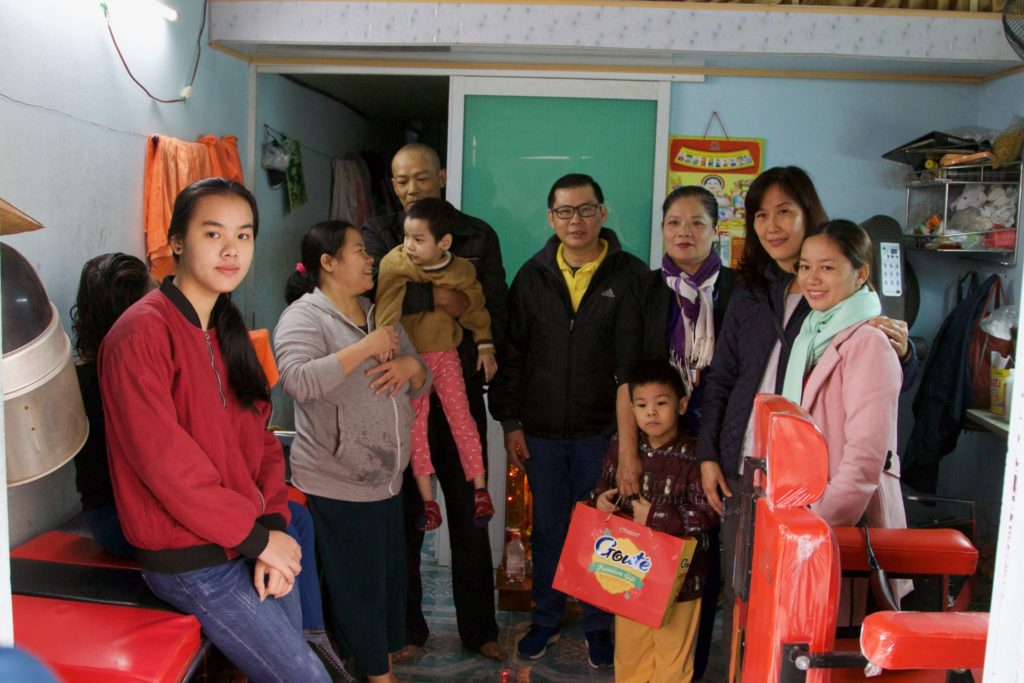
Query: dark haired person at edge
point(417, 173)
point(198, 480)
point(751, 353)
point(108, 286)
point(566, 297)
point(674, 314)
point(353, 384)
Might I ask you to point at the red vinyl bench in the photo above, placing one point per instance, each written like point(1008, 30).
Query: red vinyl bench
point(89, 616)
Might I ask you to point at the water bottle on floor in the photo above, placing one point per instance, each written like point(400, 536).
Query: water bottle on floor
point(515, 558)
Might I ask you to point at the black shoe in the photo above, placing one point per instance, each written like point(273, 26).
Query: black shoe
point(600, 649)
point(535, 643)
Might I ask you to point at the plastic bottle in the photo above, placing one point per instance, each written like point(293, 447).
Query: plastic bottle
point(515, 558)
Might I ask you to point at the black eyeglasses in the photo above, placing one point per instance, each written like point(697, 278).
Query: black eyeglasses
point(584, 210)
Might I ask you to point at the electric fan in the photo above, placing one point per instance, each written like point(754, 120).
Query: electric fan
point(1013, 25)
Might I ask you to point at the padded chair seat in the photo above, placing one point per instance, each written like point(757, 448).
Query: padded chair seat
point(90, 643)
point(60, 546)
point(925, 640)
point(908, 551)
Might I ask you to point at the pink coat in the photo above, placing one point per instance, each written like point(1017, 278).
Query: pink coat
point(852, 394)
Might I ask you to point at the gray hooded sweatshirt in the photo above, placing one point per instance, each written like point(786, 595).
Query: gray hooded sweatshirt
point(350, 444)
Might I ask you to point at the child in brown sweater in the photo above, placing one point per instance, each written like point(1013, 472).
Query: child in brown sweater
point(424, 257)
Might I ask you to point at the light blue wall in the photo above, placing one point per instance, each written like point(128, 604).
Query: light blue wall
point(837, 131)
point(326, 129)
point(73, 151)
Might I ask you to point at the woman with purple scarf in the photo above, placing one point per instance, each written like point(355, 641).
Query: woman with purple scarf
point(674, 314)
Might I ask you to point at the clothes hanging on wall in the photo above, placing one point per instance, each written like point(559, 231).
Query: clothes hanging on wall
point(171, 166)
point(294, 179)
point(349, 197)
point(942, 400)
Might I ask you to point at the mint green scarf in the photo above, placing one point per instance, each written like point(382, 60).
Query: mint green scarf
point(817, 332)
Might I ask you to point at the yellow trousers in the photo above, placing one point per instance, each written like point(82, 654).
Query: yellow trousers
point(657, 655)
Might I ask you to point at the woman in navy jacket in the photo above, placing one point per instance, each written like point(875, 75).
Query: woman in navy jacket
point(763, 319)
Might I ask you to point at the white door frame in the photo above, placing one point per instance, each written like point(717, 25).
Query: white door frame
point(607, 89)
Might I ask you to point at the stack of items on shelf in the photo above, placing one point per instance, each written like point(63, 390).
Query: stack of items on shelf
point(979, 219)
point(964, 192)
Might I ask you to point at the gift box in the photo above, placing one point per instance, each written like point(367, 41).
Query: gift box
point(622, 567)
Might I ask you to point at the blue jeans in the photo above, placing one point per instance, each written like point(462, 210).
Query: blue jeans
point(560, 473)
point(308, 581)
point(263, 639)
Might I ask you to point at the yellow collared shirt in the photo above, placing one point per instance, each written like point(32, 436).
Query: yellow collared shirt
point(579, 281)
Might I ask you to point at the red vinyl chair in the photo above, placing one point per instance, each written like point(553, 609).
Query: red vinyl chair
point(91, 619)
point(788, 577)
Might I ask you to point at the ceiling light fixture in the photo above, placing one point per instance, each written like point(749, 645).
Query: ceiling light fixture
point(150, 6)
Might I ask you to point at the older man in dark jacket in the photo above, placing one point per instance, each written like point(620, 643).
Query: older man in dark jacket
point(417, 173)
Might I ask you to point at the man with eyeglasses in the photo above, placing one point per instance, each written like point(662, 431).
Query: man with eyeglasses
point(555, 389)
point(416, 173)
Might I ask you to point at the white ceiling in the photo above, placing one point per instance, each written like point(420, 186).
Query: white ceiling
point(648, 38)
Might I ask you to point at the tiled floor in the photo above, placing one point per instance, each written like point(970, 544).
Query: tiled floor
point(445, 660)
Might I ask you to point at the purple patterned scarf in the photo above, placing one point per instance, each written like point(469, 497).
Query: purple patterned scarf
point(691, 334)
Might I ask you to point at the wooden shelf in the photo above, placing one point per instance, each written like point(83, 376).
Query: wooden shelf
point(986, 419)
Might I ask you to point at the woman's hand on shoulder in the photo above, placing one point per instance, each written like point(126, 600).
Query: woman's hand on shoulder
point(395, 373)
point(897, 332)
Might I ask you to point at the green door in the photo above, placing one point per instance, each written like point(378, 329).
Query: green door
point(515, 147)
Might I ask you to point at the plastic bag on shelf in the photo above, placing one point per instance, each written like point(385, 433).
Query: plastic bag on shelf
point(1001, 322)
point(1007, 144)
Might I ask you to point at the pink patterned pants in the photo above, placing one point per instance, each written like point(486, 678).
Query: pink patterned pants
point(451, 389)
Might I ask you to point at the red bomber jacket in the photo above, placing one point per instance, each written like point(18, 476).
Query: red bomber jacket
point(197, 477)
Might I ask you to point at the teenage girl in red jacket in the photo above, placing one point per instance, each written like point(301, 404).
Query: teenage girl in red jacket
point(198, 481)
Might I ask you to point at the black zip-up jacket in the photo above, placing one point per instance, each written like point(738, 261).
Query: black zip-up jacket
point(473, 240)
point(557, 374)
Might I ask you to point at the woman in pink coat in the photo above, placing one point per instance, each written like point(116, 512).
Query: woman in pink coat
point(846, 374)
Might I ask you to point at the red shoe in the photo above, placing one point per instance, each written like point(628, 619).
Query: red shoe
point(431, 517)
point(483, 508)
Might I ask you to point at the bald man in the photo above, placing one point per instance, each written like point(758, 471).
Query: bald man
point(417, 173)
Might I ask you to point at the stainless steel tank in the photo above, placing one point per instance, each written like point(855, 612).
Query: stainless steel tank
point(44, 420)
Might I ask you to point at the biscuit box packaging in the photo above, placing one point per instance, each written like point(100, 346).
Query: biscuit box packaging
point(622, 567)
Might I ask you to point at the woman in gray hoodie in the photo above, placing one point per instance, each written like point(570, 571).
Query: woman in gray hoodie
point(352, 383)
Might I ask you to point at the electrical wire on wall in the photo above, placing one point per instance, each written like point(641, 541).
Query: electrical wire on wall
point(186, 91)
point(281, 134)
